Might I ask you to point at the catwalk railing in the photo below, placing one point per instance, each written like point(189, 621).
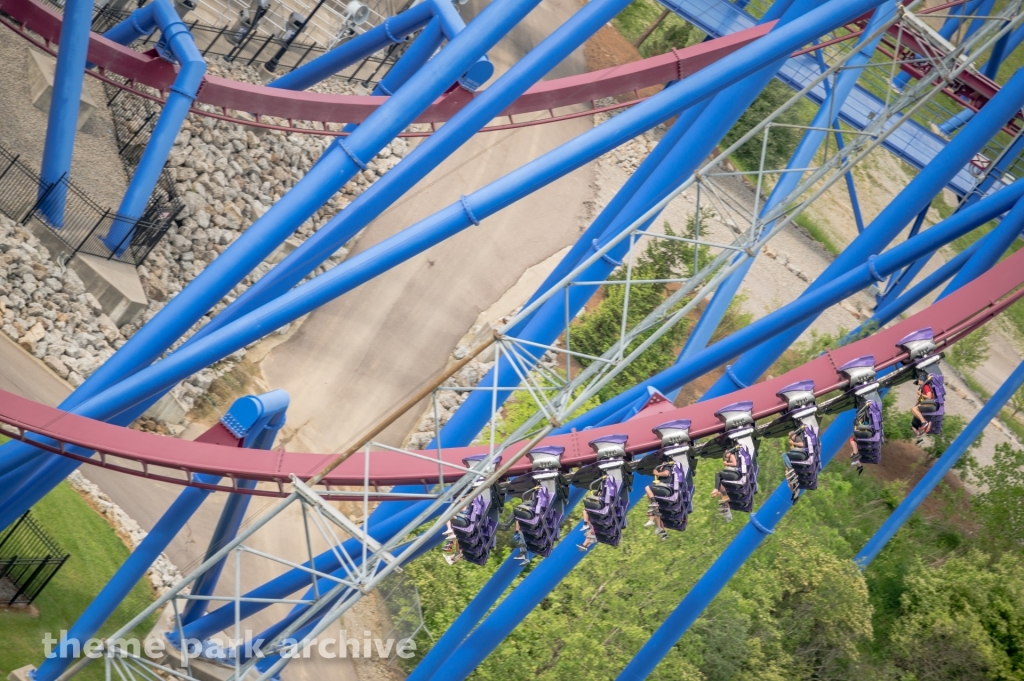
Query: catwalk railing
point(29, 559)
point(85, 222)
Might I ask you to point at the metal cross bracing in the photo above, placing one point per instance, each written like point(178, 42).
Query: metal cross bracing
point(916, 143)
point(538, 380)
point(834, 164)
point(366, 564)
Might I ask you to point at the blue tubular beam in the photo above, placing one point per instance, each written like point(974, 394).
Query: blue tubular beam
point(803, 157)
point(293, 580)
point(915, 197)
point(530, 592)
point(850, 187)
point(728, 564)
point(474, 611)
point(452, 24)
point(128, 575)
point(257, 420)
point(417, 54)
point(486, 201)
point(991, 248)
point(62, 119)
point(424, 158)
point(954, 123)
point(809, 305)
point(394, 29)
point(898, 306)
point(344, 159)
point(697, 142)
point(938, 471)
point(172, 521)
point(227, 528)
point(179, 101)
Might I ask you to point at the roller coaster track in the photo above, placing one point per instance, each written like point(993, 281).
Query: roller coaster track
point(249, 104)
point(156, 457)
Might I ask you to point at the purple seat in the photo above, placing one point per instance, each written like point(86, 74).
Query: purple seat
point(608, 500)
point(739, 481)
point(806, 461)
point(476, 526)
point(867, 432)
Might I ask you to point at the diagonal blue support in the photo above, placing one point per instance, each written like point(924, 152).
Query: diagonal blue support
point(62, 119)
point(256, 243)
point(939, 469)
point(165, 529)
point(178, 40)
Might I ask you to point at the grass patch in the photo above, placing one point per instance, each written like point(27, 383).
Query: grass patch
point(671, 32)
point(96, 553)
point(1012, 423)
point(818, 233)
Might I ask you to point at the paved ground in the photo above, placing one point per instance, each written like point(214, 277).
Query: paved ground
point(356, 357)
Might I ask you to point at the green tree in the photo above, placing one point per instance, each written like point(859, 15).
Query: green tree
point(782, 141)
point(962, 620)
point(1001, 504)
point(971, 352)
point(1017, 402)
point(599, 329)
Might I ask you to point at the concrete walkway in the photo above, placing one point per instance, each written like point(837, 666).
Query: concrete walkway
point(356, 357)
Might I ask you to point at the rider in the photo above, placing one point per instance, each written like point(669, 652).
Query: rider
point(925, 398)
point(663, 472)
point(731, 460)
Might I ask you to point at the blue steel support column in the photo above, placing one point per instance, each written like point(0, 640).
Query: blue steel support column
point(939, 469)
point(360, 47)
point(474, 611)
point(530, 592)
point(179, 100)
point(414, 167)
point(811, 141)
point(322, 182)
point(807, 306)
point(257, 420)
point(452, 24)
point(62, 119)
point(728, 564)
point(135, 567)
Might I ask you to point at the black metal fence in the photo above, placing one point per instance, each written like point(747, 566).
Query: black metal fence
point(29, 559)
point(83, 226)
point(255, 47)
